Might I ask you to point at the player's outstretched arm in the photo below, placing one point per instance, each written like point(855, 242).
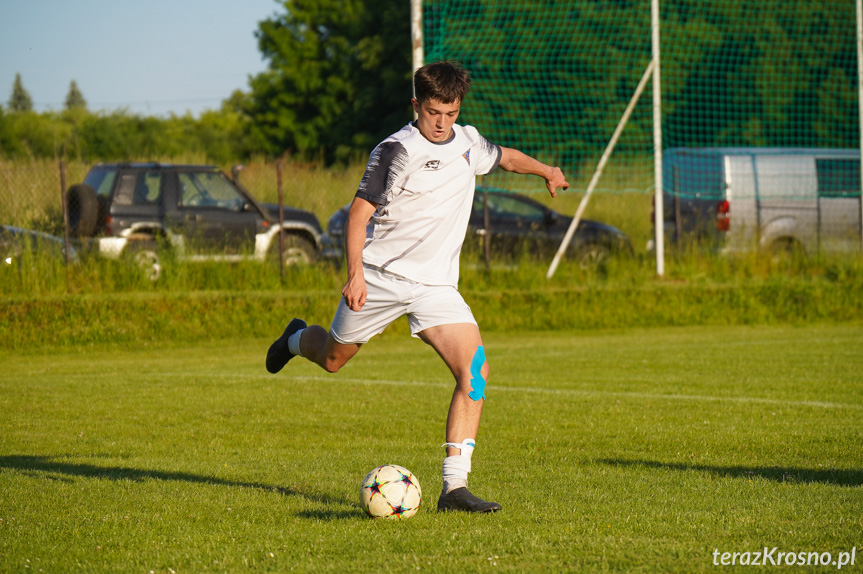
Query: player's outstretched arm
point(359, 215)
point(519, 162)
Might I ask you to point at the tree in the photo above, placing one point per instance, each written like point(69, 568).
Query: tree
point(75, 99)
point(338, 79)
point(20, 101)
point(760, 73)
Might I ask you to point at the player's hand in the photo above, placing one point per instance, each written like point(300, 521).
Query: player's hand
point(355, 292)
point(556, 181)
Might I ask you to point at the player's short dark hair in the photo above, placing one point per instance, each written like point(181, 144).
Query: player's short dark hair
point(444, 81)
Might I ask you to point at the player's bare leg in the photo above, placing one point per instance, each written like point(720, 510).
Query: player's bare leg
point(313, 343)
point(318, 346)
point(460, 346)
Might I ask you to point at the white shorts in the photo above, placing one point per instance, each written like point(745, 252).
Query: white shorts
point(391, 296)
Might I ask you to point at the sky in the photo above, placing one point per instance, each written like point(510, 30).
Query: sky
point(150, 58)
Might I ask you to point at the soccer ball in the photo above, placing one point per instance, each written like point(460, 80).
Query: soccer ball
point(390, 491)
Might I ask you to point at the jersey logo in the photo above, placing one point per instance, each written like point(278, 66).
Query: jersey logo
point(466, 156)
point(433, 164)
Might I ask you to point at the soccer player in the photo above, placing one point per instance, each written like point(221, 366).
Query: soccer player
point(403, 238)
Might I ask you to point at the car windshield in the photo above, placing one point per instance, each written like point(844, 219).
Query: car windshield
point(210, 189)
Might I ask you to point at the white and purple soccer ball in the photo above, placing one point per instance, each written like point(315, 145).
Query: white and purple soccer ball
point(390, 491)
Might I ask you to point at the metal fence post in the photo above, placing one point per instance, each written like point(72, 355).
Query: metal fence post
point(65, 209)
point(279, 163)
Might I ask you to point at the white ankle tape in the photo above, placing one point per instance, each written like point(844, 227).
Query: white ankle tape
point(466, 446)
point(456, 467)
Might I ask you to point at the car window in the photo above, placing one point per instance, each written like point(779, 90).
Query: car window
point(509, 206)
point(838, 177)
point(209, 189)
point(102, 180)
point(692, 176)
point(125, 189)
point(148, 188)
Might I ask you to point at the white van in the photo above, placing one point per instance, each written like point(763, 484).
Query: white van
point(770, 199)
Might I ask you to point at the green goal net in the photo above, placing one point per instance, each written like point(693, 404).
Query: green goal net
point(553, 77)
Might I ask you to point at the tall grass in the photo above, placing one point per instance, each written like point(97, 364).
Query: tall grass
point(31, 194)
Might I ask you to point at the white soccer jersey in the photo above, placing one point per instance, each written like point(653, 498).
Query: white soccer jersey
point(424, 192)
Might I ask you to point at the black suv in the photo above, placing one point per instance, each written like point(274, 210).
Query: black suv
point(130, 209)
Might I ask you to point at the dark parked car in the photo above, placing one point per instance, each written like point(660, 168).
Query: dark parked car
point(518, 224)
point(17, 244)
point(136, 209)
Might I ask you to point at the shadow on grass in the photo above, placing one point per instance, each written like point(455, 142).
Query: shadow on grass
point(71, 469)
point(839, 477)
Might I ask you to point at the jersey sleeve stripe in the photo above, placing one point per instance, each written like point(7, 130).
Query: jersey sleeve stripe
point(387, 162)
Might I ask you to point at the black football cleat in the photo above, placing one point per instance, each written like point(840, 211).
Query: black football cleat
point(462, 499)
point(279, 353)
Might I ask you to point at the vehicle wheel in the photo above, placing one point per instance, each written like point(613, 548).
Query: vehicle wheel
point(592, 255)
point(298, 250)
point(785, 251)
point(82, 206)
point(144, 256)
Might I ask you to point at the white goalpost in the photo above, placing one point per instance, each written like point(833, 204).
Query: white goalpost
point(652, 72)
point(859, 9)
point(416, 38)
point(658, 211)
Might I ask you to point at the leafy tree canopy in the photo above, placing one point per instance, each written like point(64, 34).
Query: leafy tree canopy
point(338, 79)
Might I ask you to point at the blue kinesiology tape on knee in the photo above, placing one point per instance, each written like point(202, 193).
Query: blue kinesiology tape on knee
point(477, 383)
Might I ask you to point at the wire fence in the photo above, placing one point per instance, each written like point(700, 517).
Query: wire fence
point(814, 209)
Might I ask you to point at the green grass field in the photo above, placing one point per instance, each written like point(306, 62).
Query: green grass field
point(626, 450)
